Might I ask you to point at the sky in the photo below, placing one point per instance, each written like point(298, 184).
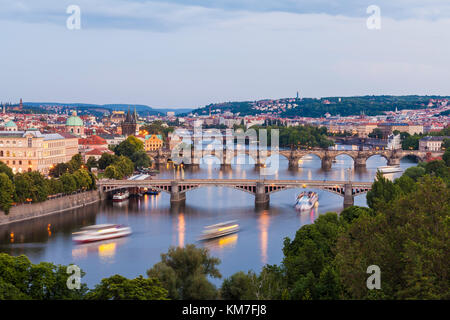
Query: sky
point(189, 53)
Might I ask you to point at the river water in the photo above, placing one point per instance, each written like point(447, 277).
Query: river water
point(156, 226)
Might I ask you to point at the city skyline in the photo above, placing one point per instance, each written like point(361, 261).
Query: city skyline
point(187, 54)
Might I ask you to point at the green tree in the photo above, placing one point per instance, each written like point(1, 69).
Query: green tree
point(446, 157)
point(69, 183)
point(351, 213)
point(76, 162)
point(408, 240)
point(411, 142)
point(43, 281)
point(129, 146)
point(183, 272)
point(125, 165)
point(7, 191)
point(83, 179)
point(140, 159)
point(59, 169)
point(383, 191)
point(7, 170)
point(415, 172)
point(308, 254)
point(118, 287)
point(31, 185)
point(376, 133)
point(91, 163)
point(106, 159)
point(240, 286)
point(55, 186)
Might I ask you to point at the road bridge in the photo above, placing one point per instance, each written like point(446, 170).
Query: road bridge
point(261, 189)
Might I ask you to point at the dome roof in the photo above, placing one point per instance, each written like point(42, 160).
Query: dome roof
point(10, 123)
point(74, 120)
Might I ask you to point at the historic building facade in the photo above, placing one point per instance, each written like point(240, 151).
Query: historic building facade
point(32, 150)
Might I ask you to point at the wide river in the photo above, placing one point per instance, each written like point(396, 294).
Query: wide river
point(156, 226)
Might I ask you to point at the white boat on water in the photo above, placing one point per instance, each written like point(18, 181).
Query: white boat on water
point(306, 200)
point(389, 169)
point(121, 196)
point(219, 230)
point(101, 232)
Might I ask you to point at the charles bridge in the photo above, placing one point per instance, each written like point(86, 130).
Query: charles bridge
point(326, 156)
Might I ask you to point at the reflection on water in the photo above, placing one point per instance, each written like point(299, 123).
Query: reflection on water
point(218, 244)
point(157, 225)
point(181, 230)
point(264, 221)
point(105, 250)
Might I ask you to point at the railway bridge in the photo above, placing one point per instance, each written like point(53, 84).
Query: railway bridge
point(261, 189)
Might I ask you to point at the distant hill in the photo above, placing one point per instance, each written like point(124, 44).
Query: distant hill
point(143, 110)
point(318, 107)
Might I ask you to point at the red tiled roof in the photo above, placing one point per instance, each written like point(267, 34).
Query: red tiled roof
point(92, 140)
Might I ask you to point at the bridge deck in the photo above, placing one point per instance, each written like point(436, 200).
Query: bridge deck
point(330, 183)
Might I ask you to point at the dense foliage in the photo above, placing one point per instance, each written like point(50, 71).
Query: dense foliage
point(299, 136)
point(405, 231)
point(131, 148)
point(184, 271)
point(32, 186)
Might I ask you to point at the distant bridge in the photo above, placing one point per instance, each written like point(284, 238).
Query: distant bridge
point(261, 189)
point(326, 156)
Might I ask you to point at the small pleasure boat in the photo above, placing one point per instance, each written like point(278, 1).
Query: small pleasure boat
point(219, 230)
point(101, 232)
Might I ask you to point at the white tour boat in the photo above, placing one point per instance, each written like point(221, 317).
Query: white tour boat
point(121, 196)
point(219, 230)
point(306, 200)
point(101, 232)
point(389, 169)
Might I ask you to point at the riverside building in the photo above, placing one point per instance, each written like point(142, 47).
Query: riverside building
point(32, 150)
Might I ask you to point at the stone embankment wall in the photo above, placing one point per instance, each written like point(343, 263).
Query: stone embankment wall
point(35, 210)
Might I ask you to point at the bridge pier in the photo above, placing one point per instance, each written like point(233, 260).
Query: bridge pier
point(225, 166)
point(262, 198)
point(393, 162)
point(348, 195)
point(360, 162)
point(326, 163)
point(293, 163)
point(176, 196)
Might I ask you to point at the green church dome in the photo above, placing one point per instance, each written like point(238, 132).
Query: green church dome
point(10, 124)
point(74, 120)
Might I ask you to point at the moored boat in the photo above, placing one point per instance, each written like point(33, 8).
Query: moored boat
point(121, 196)
point(306, 200)
point(101, 232)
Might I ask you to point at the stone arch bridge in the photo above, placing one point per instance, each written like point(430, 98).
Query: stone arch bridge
point(359, 157)
point(261, 189)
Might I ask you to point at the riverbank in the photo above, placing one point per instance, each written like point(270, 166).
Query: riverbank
point(36, 210)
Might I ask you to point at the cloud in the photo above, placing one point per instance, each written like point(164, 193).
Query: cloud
point(160, 15)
